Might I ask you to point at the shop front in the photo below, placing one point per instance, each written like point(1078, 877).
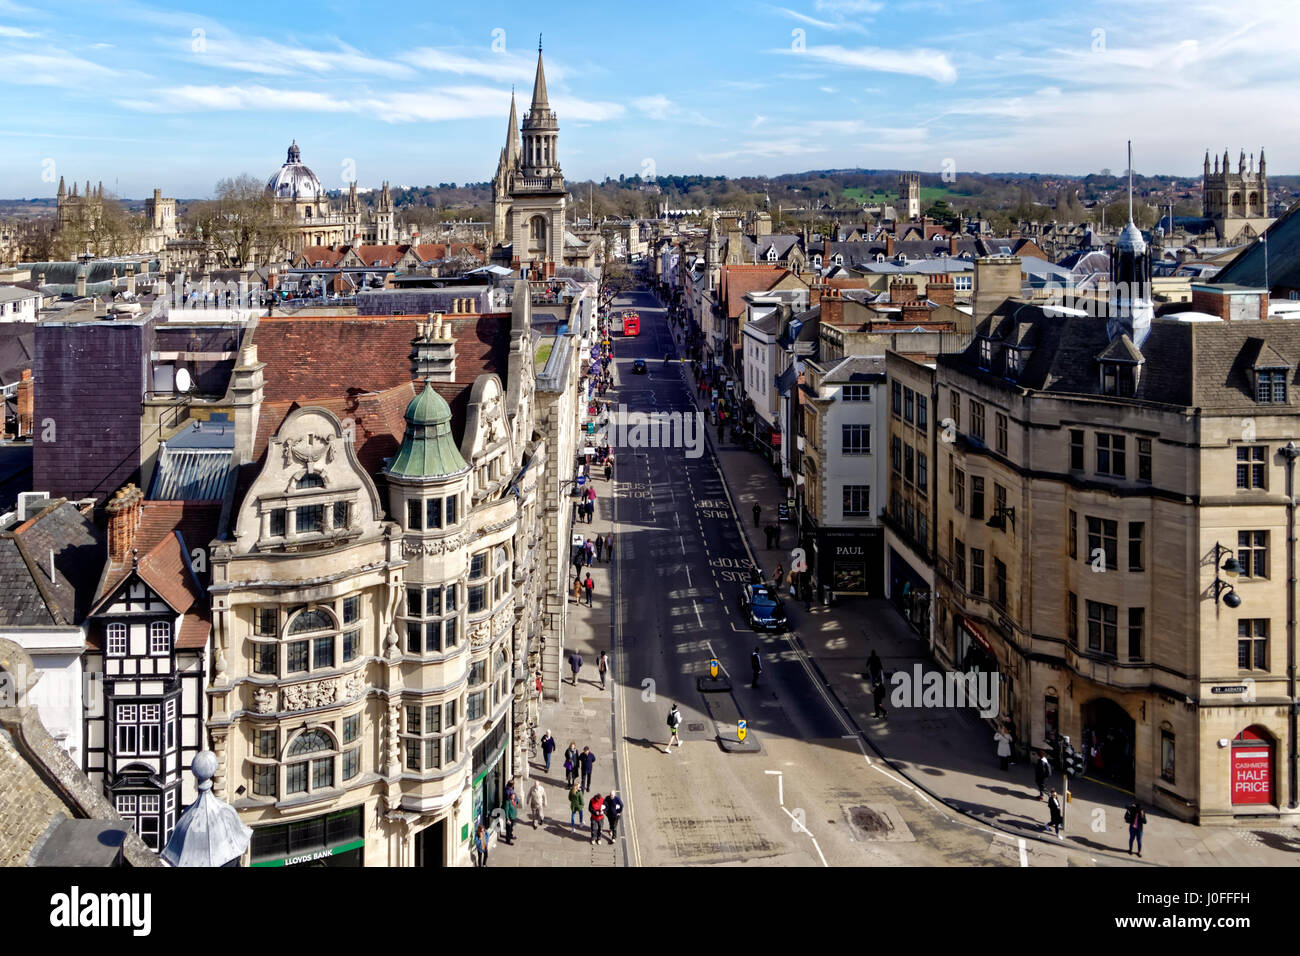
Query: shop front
point(1253, 754)
point(910, 592)
point(850, 560)
point(975, 652)
point(489, 773)
point(332, 839)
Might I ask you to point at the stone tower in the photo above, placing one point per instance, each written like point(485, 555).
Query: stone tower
point(1237, 202)
point(535, 218)
point(909, 196)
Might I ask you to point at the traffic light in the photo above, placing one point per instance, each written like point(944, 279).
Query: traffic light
point(1071, 760)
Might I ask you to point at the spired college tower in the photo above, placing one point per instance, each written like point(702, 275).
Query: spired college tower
point(1236, 202)
point(528, 194)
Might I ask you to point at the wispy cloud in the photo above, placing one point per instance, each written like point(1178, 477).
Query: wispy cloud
point(660, 107)
point(223, 50)
point(54, 68)
point(927, 63)
point(837, 25)
point(17, 33)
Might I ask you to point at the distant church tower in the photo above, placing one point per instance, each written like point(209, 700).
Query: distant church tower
point(1236, 202)
point(909, 196)
point(528, 196)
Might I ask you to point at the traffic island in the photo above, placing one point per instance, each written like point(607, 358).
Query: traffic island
point(726, 717)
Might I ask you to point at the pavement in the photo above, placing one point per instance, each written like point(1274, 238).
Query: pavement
point(583, 715)
point(949, 752)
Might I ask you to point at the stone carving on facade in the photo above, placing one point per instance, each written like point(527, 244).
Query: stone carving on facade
point(502, 623)
point(308, 449)
point(319, 693)
point(264, 700)
point(478, 634)
point(439, 546)
point(355, 685)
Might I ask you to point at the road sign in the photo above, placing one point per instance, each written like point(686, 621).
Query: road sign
point(742, 728)
point(582, 479)
point(713, 668)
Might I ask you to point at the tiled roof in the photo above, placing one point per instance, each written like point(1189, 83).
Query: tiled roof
point(326, 356)
point(26, 588)
point(736, 280)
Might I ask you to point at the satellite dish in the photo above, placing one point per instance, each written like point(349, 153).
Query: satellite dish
point(183, 381)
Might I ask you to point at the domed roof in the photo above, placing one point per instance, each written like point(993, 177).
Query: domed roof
point(428, 448)
point(428, 408)
point(1130, 239)
point(293, 180)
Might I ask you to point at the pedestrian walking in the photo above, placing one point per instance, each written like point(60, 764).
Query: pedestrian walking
point(878, 698)
point(779, 576)
point(511, 812)
point(591, 552)
point(609, 468)
point(1003, 741)
point(1042, 770)
point(609, 549)
point(875, 669)
point(577, 590)
point(597, 808)
point(575, 806)
point(591, 509)
point(613, 810)
point(586, 760)
point(674, 721)
point(548, 748)
point(480, 846)
point(1136, 818)
point(589, 585)
point(600, 546)
point(1056, 818)
point(575, 665)
point(537, 803)
point(603, 667)
point(756, 662)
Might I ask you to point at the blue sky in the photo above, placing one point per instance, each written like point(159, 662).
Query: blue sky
point(149, 94)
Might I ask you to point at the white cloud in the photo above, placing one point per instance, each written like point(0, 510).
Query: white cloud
point(927, 63)
point(492, 66)
point(759, 120)
point(17, 33)
point(656, 107)
point(827, 89)
point(849, 6)
point(835, 26)
point(56, 68)
point(224, 50)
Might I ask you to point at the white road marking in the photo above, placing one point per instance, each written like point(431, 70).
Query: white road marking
point(780, 785)
point(1024, 856)
point(800, 825)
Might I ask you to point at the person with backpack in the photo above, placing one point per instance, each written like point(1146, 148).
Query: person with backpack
point(603, 667)
point(548, 748)
point(589, 586)
point(1054, 808)
point(1042, 770)
point(575, 806)
point(537, 803)
point(597, 808)
point(613, 810)
point(511, 808)
point(674, 721)
point(1136, 818)
point(586, 760)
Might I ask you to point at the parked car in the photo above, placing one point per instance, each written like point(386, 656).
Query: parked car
point(638, 367)
point(762, 608)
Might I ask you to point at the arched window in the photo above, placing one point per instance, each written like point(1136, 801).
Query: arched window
point(316, 619)
point(116, 644)
point(311, 742)
point(310, 480)
point(160, 638)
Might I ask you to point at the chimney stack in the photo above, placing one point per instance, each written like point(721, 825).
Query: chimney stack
point(123, 520)
point(903, 290)
point(81, 283)
point(889, 245)
point(130, 278)
point(832, 306)
point(941, 292)
point(952, 244)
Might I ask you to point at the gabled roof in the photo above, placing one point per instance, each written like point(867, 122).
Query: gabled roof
point(29, 596)
point(1121, 349)
point(734, 281)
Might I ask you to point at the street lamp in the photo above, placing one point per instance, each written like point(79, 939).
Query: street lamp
point(1231, 568)
point(998, 520)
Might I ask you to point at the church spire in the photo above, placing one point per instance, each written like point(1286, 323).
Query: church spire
point(539, 84)
point(512, 133)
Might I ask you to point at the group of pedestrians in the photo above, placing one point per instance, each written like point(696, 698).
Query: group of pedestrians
point(602, 668)
point(584, 509)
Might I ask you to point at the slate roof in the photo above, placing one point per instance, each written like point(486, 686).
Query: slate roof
point(1205, 365)
point(28, 596)
point(856, 368)
point(1247, 268)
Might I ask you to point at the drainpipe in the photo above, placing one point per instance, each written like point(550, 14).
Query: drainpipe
point(1290, 452)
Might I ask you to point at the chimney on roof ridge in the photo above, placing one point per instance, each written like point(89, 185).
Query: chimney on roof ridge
point(433, 351)
point(123, 520)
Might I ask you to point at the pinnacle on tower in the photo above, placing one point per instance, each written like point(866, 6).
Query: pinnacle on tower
point(63, 190)
point(512, 133)
point(539, 84)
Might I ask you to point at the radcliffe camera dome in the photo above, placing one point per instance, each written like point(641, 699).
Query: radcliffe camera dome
point(293, 180)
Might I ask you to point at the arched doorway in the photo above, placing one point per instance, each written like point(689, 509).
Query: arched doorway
point(1108, 737)
point(1254, 752)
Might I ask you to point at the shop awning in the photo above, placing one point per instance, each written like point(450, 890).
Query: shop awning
point(977, 633)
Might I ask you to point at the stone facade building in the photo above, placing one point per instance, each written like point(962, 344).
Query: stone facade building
point(315, 220)
point(1236, 202)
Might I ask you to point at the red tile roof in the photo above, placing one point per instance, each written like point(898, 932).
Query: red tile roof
point(736, 280)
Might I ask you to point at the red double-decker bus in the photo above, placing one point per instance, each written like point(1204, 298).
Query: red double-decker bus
point(631, 324)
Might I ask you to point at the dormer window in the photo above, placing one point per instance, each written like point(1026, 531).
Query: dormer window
point(1117, 378)
point(1270, 386)
point(1014, 360)
point(986, 353)
point(839, 259)
point(771, 254)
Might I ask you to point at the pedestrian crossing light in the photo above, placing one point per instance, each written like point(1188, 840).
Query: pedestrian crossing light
point(742, 728)
point(713, 668)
